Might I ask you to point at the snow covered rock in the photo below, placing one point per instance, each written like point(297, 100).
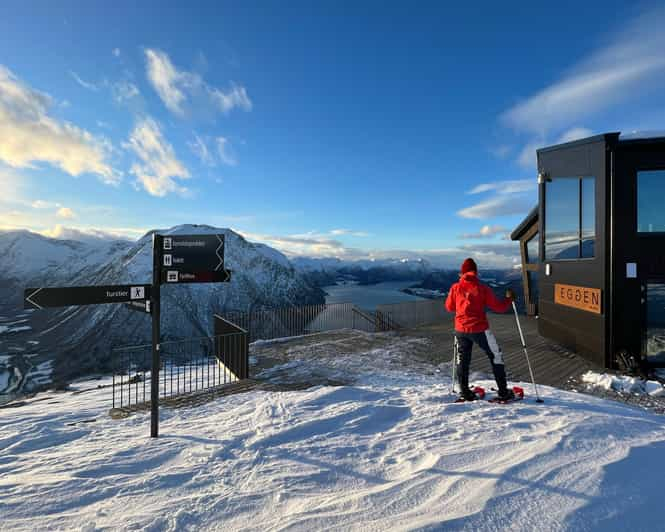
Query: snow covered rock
point(623, 384)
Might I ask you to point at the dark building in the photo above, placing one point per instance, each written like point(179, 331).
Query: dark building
point(593, 250)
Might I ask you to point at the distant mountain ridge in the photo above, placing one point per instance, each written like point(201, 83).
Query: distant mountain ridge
point(328, 271)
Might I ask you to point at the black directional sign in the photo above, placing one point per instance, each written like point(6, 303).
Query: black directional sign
point(193, 252)
point(181, 276)
point(140, 306)
point(192, 259)
point(38, 298)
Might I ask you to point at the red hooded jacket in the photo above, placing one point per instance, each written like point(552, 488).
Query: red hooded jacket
point(468, 299)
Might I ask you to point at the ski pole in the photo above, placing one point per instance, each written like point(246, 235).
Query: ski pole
point(454, 362)
point(526, 353)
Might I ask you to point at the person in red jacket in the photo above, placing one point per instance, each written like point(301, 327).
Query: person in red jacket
point(468, 299)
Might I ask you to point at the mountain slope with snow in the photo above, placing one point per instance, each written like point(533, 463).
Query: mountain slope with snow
point(79, 339)
point(30, 259)
point(389, 451)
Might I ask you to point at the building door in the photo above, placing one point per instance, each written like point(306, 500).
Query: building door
point(653, 344)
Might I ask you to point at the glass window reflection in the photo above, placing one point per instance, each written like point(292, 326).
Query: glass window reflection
point(570, 218)
point(650, 194)
point(532, 249)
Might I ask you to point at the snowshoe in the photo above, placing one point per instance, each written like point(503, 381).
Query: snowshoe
point(478, 392)
point(510, 396)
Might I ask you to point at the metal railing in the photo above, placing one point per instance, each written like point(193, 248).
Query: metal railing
point(187, 366)
point(267, 324)
point(196, 364)
point(410, 314)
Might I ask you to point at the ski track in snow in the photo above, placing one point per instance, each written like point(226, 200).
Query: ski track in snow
point(389, 452)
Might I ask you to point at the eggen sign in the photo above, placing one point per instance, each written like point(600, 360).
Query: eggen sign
point(580, 297)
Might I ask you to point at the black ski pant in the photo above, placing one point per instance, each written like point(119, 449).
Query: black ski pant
point(487, 342)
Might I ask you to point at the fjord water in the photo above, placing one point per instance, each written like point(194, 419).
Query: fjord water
point(367, 297)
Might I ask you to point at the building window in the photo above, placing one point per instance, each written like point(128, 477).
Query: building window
point(654, 345)
point(570, 215)
point(532, 250)
point(588, 217)
point(650, 193)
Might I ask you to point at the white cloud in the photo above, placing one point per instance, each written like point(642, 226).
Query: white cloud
point(65, 212)
point(123, 91)
point(235, 97)
point(575, 133)
point(501, 151)
point(221, 150)
point(200, 148)
point(28, 134)
point(633, 61)
point(486, 231)
point(502, 205)
point(159, 167)
point(177, 88)
point(499, 255)
point(509, 197)
point(349, 232)
point(86, 233)
point(225, 153)
point(166, 80)
point(527, 157)
point(42, 204)
point(505, 187)
point(85, 84)
point(302, 245)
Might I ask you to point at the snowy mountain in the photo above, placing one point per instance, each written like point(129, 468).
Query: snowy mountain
point(80, 338)
point(328, 271)
point(316, 264)
point(30, 259)
point(333, 264)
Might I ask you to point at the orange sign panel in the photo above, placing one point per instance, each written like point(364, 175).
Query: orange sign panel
point(580, 297)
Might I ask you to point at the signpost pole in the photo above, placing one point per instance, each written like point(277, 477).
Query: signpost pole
point(155, 307)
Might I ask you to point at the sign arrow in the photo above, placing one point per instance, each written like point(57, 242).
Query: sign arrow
point(189, 276)
point(139, 306)
point(39, 298)
point(192, 253)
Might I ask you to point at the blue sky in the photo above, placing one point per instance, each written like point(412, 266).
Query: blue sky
point(348, 129)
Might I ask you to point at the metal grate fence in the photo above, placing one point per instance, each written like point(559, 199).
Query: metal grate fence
point(411, 314)
point(197, 364)
point(187, 366)
point(267, 324)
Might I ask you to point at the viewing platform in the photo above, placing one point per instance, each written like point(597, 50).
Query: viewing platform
point(426, 347)
point(552, 364)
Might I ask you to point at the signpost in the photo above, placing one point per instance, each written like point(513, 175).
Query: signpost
point(176, 259)
point(193, 259)
point(156, 335)
point(39, 298)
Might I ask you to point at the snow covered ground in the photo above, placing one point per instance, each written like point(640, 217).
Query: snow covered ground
point(389, 451)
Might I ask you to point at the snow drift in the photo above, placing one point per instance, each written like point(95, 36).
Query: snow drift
point(389, 451)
